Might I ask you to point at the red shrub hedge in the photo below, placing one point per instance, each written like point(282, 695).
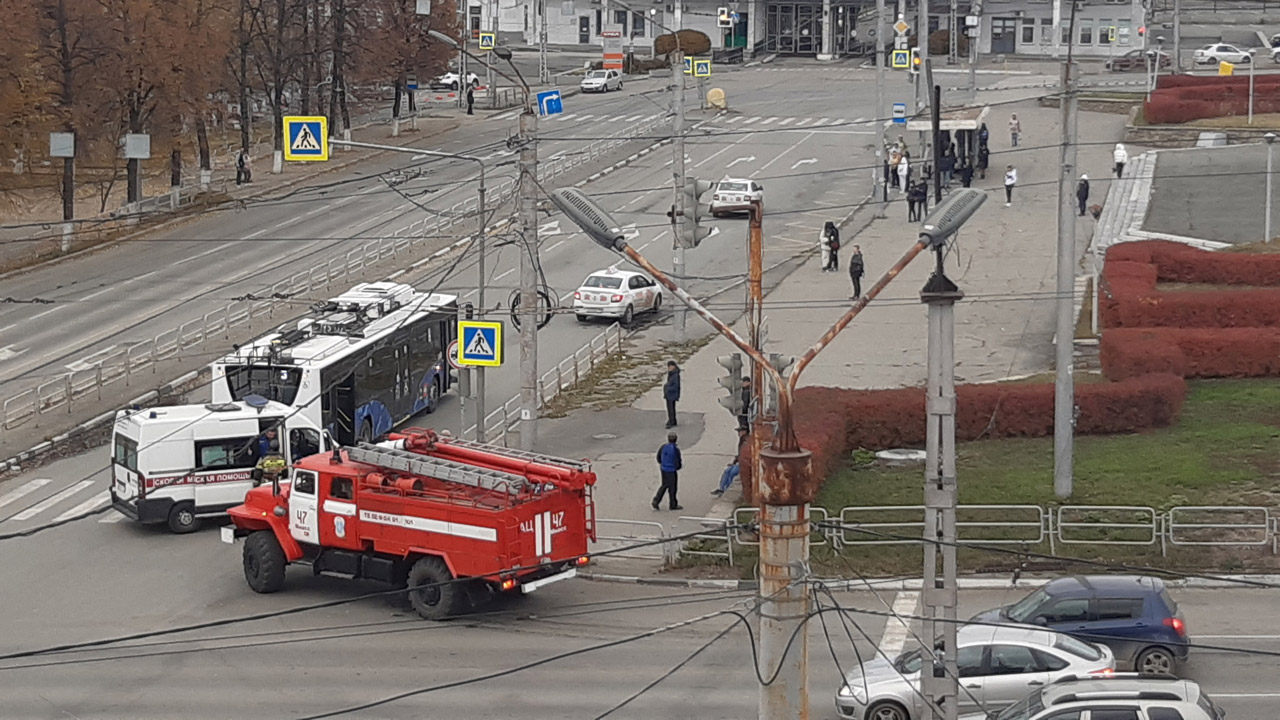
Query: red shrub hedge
point(1178, 262)
point(1191, 352)
point(1182, 81)
point(1180, 99)
point(832, 421)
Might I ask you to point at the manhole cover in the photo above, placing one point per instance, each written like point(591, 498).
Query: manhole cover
point(605, 436)
point(901, 456)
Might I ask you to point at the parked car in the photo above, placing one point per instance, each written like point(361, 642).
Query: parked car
point(1136, 60)
point(1221, 52)
point(732, 196)
point(1114, 697)
point(1275, 54)
point(1131, 614)
point(615, 293)
point(601, 81)
point(450, 80)
point(997, 666)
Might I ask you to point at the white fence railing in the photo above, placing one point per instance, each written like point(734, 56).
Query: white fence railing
point(62, 392)
point(1025, 526)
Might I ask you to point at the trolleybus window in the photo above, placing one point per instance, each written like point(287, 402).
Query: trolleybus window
point(273, 383)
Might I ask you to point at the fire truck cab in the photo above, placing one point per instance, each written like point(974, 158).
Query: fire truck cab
point(450, 520)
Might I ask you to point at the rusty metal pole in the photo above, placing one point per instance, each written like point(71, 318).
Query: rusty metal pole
point(755, 318)
point(939, 680)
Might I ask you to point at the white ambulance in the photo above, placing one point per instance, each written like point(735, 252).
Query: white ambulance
point(178, 464)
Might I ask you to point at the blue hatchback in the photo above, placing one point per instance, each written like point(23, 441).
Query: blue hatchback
point(1131, 614)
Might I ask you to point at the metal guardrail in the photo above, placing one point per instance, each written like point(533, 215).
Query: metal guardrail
point(632, 532)
point(65, 390)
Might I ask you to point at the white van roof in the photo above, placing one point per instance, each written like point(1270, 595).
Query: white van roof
point(195, 414)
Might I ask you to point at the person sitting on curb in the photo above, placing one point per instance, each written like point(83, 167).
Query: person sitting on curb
point(732, 470)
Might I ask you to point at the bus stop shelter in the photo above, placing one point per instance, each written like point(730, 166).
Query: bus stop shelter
point(956, 126)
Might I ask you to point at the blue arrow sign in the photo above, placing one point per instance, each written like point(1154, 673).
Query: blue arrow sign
point(550, 103)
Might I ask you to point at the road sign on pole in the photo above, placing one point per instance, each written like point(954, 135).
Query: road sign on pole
point(701, 68)
point(900, 113)
point(411, 82)
point(452, 355)
point(901, 27)
point(488, 40)
point(688, 66)
point(306, 139)
point(479, 343)
point(550, 103)
point(901, 59)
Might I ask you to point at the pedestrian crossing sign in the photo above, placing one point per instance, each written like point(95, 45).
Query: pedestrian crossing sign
point(480, 343)
point(702, 68)
point(688, 66)
point(901, 58)
point(487, 40)
point(306, 138)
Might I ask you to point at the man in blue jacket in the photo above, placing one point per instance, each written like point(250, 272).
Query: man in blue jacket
point(669, 462)
point(671, 392)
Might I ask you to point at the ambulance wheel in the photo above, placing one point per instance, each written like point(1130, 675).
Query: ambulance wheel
point(182, 519)
point(264, 562)
point(442, 597)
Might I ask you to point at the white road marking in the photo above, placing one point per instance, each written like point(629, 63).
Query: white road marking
point(52, 500)
point(738, 160)
point(896, 630)
point(567, 295)
point(732, 120)
point(750, 120)
point(8, 352)
point(820, 121)
point(263, 231)
point(787, 121)
point(112, 518)
point(557, 244)
point(92, 503)
point(634, 118)
point(726, 148)
point(197, 256)
point(290, 221)
point(469, 293)
point(804, 121)
point(805, 161)
point(642, 247)
point(504, 274)
point(768, 121)
point(25, 490)
point(778, 157)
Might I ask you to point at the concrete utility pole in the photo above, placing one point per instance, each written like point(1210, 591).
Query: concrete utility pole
point(1177, 36)
point(1064, 394)
point(939, 680)
point(680, 320)
point(880, 115)
point(975, 10)
point(529, 310)
point(953, 37)
point(922, 40)
point(544, 77)
point(489, 77)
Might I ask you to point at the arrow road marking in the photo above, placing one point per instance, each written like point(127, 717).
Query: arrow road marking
point(551, 228)
point(806, 161)
point(629, 231)
point(741, 159)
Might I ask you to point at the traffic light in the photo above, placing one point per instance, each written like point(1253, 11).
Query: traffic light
point(914, 67)
point(731, 382)
point(783, 364)
point(723, 18)
point(691, 232)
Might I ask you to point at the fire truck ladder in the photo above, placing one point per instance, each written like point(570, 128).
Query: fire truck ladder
point(578, 465)
point(447, 470)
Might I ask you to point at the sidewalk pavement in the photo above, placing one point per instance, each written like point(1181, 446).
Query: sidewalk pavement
point(1004, 261)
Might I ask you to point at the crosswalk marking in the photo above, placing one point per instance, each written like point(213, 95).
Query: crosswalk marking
point(804, 121)
point(732, 120)
point(112, 518)
point(92, 503)
point(787, 121)
point(25, 490)
point(819, 121)
point(52, 500)
point(750, 120)
point(768, 121)
point(633, 118)
point(858, 120)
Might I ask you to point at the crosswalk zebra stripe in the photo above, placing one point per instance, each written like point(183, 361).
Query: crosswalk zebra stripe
point(768, 121)
point(92, 503)
point(787, 121)
point(52, 500)
point(804, 121)
point(750, 120)
point(733, 119)
point(27, 489)
point(820, 121)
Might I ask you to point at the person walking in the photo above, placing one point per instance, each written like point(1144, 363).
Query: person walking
point(904, 171)
point(1015, 129)
point(1010, 180)
point(1120, 156)
point(744, 417)
point(1082, 193)
point(671, 391)
point(984, 135)
point(913, 212)
point(733, 469)
point(856, 269)
point(966, 174)
point(471, 98)
point(669, 464)
point(984, 161)
point(947, 166)
point(833, 246)
point(824, 249)
point(242, 167)
point(895, 157)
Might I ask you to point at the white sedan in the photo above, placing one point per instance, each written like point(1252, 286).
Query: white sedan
point(733, 196)
point(615, 293)
point(450, 80)
point(1214, 54)
point(601, 81)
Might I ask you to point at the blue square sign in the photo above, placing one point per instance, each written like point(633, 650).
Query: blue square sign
point(550, 103)
point(480, 343)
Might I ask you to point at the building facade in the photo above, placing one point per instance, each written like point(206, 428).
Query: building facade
point(1042, 28)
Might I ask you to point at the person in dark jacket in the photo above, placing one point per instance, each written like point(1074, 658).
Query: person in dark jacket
point(966, 174)
point(669, 464)
point(832, 234)
point(1082, 193)
point(471, 98)
point(671, 392)
point(744, 418)
point(734, 467)
point(984, 135)
point(265, 440)
point(947, 166)
point(984, 161)
point(856, 270)
point(920, 194)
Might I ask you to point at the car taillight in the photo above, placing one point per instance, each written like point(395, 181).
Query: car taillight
point(577, 295)
point(1177, 625)
point(615, 298)
point(142, 486)
point(715, 197)
point(1103, 672)
point(583, 560)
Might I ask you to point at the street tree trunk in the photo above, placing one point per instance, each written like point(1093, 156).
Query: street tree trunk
point(246, 111)
point(66, 99)
point(307, 50)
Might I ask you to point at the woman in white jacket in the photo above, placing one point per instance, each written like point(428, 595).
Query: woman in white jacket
point(1121, 156)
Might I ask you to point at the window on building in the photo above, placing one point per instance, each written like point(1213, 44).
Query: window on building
point(599, 20)
point(637, 25)
point(1124, 32)
point(1105, 30)
point(1086, 32)
point(1066, 33)
point(1046, 30)
point(620, 19)
point(1028, 31)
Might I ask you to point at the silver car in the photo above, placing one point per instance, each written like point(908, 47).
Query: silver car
point(997, 666)
point(1140, 697)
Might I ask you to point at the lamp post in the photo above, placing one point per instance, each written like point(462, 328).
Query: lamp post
point(1253, 57)
point(1266, 230)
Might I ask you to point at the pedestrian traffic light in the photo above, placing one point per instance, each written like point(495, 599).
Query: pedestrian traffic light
point(914, 67)
point(723, 18)
point(782, 364)
point(732, 382)
point(691, 232)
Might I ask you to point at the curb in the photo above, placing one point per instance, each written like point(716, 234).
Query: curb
point(968, 583)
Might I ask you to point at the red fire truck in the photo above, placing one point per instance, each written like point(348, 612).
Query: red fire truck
point(454, 521)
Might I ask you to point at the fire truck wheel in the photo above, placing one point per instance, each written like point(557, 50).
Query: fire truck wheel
point(264, 562)
point(443, 598)
point(182, 519)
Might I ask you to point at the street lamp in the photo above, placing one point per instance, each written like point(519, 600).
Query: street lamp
point(1253, 57)
point(1266, 230)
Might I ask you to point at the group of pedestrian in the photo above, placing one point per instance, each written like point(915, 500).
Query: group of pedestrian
point(917, 201)
point(829, 245)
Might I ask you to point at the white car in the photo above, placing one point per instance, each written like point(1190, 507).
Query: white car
point(450, 80)
point(997, 666)
point(615, 293)
point(732, 196)
point(601, 81)
point(1221, 52)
